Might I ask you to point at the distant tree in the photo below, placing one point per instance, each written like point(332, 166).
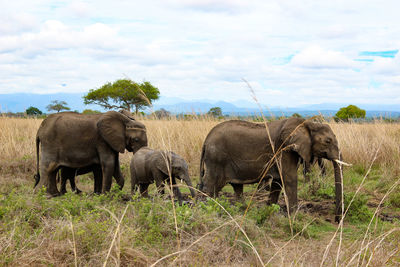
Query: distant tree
point(350, 112)
point(215, 112)
point(90, 111)
point(57, 106)
point(189, 117)
point(123, 93)
point(162, 113)
point(297, 115)
point(33, 111)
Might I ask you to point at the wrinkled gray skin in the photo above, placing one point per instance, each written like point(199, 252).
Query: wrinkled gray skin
point(77, 141)
point(237, 152)
point(148, 166)
point(67, 173)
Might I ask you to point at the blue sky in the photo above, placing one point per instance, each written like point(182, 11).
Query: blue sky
point(291, 52)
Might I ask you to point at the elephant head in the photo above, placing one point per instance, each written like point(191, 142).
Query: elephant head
point(178, 169)
point(120, 132)
point(316, 140)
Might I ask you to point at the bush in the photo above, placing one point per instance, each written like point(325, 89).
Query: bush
point(350, 112)
point(358, 211)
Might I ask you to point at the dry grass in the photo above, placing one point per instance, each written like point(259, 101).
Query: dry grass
point(210, 241)
point(358, 142)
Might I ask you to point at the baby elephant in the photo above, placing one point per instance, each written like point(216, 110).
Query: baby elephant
point(148, 165)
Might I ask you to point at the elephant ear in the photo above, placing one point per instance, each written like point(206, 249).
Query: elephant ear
point(127, 114)
point(111, 126)
point(300, 139)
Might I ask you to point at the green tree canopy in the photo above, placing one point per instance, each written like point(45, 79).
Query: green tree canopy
point(215, 112)
point(296, 115)
point(123, 93)
point(57, 106)
point(33, 111)
point(350, 112)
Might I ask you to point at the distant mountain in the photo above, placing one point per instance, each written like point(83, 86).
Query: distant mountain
point(21, 101)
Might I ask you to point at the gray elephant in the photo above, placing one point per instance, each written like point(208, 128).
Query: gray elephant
point(78, 141)
point(241, 152)
point(148, 166)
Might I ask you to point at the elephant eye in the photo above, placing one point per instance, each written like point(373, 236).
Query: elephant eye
point(328, 140)
point(135, 139)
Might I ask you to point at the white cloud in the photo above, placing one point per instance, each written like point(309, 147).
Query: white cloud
point(17, 22)
point(292, 52)
point(80, 9)
point(317, 57)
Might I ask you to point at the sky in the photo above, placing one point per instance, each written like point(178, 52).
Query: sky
point(291, 53)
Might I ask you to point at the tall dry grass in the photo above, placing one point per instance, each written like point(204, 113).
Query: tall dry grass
point(358, 142)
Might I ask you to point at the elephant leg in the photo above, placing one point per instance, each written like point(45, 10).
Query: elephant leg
point(176, 191)
point(134, 179)
point(73, 185)
point(275, 190)
point(98, 180)
point(291, 193)
point(306, 171)
point(63, 173)
point(212, 185)
point(322, 166)
point(160, 187)
point(107, 167)
point(289, 172)
point(238, 188)
point(49, 171)
point(119, 177)
point(143, 190)
point(265, 183)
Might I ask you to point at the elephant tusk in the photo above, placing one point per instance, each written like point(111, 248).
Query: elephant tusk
point(342, 162)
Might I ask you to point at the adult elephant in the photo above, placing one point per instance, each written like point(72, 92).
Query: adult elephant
point(241, 152)
point(77, 141)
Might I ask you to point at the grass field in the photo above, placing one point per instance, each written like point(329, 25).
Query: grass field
point(91, 230)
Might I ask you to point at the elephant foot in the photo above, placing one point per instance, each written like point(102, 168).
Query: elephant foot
point(51, 195)
point(77, 191)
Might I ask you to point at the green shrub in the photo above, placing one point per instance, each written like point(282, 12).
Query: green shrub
point(394, 200)
point(261, 214)
point(358, 211)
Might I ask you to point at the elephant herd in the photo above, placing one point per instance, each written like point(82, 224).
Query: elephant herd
point(235, 152)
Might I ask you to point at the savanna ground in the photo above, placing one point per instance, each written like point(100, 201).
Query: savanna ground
point(108, 230)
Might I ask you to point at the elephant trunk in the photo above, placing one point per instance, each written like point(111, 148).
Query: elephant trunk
point(189, 184)
point(338, 190)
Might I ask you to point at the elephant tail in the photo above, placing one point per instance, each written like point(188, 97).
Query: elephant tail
point(202, 161)
point(37, 175)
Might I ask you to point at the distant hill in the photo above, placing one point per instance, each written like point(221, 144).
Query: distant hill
point(21, 101)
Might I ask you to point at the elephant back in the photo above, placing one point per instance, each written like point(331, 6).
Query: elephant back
point(138, 162)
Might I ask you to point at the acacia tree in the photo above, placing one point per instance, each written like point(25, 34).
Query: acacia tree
point(33, 111)
point(215, 112)
point(350, 112)
point(123, 93)
point(57, 106)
